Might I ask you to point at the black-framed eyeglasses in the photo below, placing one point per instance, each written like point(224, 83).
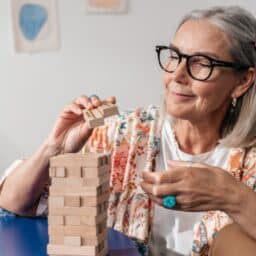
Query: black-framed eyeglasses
point(199, 66)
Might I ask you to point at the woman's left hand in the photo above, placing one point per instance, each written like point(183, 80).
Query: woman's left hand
point(197, 187)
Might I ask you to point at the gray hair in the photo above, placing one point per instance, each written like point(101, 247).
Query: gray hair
point(239, 125)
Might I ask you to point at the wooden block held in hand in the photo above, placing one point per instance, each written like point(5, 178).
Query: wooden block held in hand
point(108, 109)
point(93, 117)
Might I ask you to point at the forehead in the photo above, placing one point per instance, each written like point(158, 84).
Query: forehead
point(202, 36)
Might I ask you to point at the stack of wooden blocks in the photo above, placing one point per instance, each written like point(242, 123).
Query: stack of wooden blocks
point(78, 200)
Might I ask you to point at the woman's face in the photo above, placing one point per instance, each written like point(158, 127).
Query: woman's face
point(191, 99)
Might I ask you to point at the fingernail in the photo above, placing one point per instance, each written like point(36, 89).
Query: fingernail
point(89, 105)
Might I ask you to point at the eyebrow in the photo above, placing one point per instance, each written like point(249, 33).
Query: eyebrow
point(210, 54)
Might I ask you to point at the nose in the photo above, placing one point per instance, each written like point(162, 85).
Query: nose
point(180, 75)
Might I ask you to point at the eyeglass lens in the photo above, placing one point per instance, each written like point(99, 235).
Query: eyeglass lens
point(199, 67)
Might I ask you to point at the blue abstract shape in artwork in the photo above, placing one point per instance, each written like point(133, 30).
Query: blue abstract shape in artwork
point(32, 18)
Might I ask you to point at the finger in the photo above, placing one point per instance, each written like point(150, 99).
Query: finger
point(73, 108)
point(185, 203)
point(160, 190)
point(175, 163)
point(111, 99)
point(84, 101)
point(95, 100)
point(171, 176)
point(156, 199)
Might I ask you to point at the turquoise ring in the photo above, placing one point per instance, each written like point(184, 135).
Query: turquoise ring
point(169, 202)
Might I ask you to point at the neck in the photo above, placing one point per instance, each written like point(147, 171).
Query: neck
point(198, 137)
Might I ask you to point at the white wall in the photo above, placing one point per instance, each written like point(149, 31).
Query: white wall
point(102, 54)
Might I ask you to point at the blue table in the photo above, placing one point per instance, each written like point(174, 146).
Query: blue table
point(29, 237)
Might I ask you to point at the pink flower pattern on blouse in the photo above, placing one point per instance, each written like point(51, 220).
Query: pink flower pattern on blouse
point(133, 141)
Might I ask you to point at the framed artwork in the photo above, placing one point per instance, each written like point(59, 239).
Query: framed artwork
point(35, 25)
point(106, 6)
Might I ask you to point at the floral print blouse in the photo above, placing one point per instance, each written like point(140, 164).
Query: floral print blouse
point(133, 139)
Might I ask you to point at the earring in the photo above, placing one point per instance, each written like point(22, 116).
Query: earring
point(234, 101)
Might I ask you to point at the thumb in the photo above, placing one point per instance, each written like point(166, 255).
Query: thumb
point(178, 163)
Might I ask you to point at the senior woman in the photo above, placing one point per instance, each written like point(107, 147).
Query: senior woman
point(181, 174)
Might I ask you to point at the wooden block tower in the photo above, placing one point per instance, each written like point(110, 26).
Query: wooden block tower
point(78, 200)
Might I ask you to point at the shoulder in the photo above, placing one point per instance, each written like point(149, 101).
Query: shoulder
point(242, 165)
point(243, 158)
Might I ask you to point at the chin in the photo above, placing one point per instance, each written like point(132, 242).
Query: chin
point(178, 112)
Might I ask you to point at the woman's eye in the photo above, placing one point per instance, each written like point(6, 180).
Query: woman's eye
point(174, 57)
point(200, 62)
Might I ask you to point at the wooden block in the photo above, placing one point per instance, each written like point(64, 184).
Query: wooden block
point(85, 240)
point(72, 220)
point(52, 171)
point(70, 250)
point(108, 109)
point(58, 181)
point(56, 239)
point(55, 220)
point(82, 191)
point(60, 172)
point(76, 220)
point(74, 171)
point(94, 200)
point(73, 201)
point(79, 182)
point(97, 181)
point(76, 211)
point(85, 220)
point(84, 230)
point(72, 240)
point(95, 172)
point(56, 201)
point(93, 117)
point(70, 181)
point(75, 251)
point(78, 159)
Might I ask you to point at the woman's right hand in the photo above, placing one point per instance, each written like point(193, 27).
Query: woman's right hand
point(70, 131)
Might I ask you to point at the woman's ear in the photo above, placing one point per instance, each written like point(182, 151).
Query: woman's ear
point(245, 81)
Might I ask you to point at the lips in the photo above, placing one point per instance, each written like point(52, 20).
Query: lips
point(182, 94)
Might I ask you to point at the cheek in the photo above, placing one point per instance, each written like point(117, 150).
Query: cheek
point(211, 98)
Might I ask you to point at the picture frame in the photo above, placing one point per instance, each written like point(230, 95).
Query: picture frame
point(35, 25)
point(106, 6)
